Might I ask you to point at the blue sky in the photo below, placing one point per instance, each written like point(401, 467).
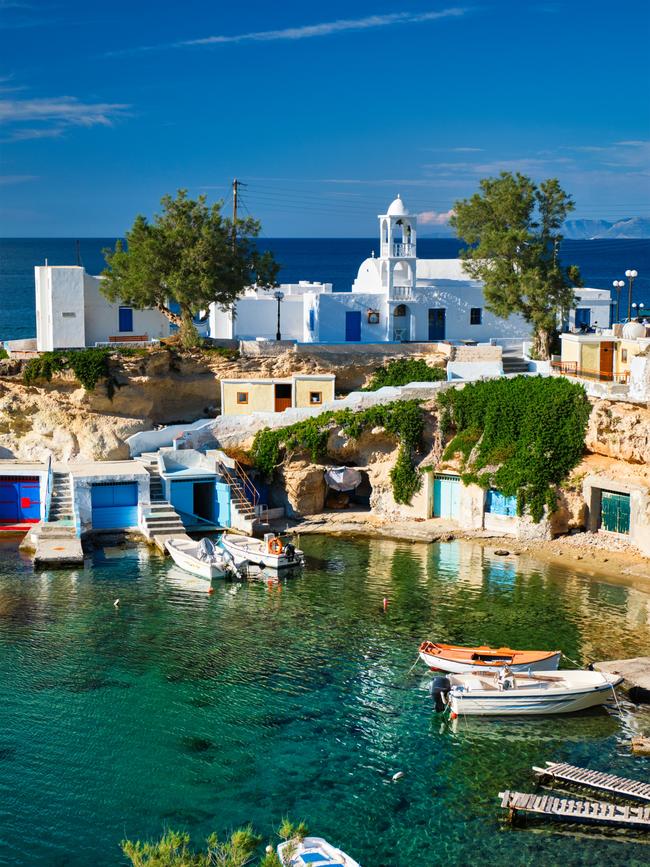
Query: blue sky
point(325, 111)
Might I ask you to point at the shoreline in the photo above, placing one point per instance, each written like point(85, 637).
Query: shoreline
point(590, 553)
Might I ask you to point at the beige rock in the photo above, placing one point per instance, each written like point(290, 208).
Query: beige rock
point(619, 430)
point(302, 486)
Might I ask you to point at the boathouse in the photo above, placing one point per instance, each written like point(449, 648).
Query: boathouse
point(109, 495)
point(245, 396)
point(24, 487)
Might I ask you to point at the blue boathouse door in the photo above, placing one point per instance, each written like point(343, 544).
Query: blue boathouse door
point(446, 497)
point(437, 323)
point(20, 499)
point(114, 505)
point(353, 325)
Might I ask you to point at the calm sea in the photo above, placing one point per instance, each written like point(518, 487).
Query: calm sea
point(331, 260)
point(203, 712)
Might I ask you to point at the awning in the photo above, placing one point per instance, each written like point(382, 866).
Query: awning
point(342, 478)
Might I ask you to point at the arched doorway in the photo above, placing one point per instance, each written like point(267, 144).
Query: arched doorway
point(401, 323)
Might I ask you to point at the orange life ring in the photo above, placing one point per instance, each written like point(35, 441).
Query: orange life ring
point(276, 546)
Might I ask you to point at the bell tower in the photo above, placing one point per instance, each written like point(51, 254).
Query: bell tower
point(397, 233)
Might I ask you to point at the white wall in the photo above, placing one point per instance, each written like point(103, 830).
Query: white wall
point(60, 307)
point(102, 317)
point(258, 317)
point(330, 313)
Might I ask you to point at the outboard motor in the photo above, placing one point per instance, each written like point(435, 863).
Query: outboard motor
point(290, 552)
point(439, 690)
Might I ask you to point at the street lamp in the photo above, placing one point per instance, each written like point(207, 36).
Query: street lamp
point(631, 275)
point(278, 297)
point(618, 285)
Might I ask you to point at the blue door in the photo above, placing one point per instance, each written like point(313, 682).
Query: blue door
point(20, 499)
point(446, 497)
point(126, 318)
point(497, 503)
point(353, 325)
point(437, 317)
point(583, 317)
point(114, 505)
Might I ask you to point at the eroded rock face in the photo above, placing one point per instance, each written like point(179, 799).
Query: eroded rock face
point(619, 430)
point(301, 488)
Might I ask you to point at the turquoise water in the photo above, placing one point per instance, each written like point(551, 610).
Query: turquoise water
point(204, 712)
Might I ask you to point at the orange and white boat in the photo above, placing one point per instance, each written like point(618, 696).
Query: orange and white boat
point(451, 657)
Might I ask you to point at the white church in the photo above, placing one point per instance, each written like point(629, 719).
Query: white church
point(395, 297)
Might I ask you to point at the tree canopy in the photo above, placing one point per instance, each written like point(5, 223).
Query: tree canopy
point(190, 255)
point(513, 227)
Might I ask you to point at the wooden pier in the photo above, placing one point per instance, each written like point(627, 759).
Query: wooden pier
point(565, 809)
point(586, 778)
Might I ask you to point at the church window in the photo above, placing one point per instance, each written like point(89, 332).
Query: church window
point(475, 315)
point(400, 310)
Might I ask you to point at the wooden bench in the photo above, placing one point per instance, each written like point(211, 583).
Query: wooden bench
point(129, 338)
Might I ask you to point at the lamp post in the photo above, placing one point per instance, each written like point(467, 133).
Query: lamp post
point(641, 306)
point(618, 285)
point(630, 279)
point(278, 297)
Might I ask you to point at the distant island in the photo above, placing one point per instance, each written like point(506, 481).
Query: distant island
point(577, 230)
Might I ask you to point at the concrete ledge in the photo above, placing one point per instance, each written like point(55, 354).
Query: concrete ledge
point(636, 672)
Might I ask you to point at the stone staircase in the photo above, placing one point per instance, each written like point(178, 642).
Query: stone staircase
point(56, 542)
point(514, 364)
point(161, 521)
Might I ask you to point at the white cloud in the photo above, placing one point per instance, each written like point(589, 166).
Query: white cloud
point(50, 117)
point(16, 179)
point(435, 218)
point(309, 31)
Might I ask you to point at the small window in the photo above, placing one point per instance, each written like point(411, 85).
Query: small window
point(242, 397)
point(312, 320)
point(623, 355)
point(400, 310)
point(475, 315)
point(68, 315)
point(315, 397)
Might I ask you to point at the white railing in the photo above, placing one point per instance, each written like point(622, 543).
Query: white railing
point(401, 293)
point(403, 250)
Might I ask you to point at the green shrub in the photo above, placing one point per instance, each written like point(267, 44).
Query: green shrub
point(403, 419)
point(3, 353)
point(401, 371)
point(88, 365)
point(526, 434)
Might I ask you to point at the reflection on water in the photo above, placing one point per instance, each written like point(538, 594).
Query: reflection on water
point(263, 699)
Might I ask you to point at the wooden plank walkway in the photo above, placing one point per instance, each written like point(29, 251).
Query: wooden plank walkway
point(610, 783)
point(598, 812)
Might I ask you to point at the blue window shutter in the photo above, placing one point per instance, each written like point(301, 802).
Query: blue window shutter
point(312, 318)
point(126, 319)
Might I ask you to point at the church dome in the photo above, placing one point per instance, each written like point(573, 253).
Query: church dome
point(632, 330)
point(396, 208)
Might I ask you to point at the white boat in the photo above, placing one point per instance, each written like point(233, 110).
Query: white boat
point(506, 693)
point(270, 552)
point(456, 659)
point(313, 852)
point(198, 558)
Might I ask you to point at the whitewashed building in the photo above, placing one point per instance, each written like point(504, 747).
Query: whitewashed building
point(396, 297)
point(71, 312)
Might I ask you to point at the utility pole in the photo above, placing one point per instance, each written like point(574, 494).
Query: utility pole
point(235, 202)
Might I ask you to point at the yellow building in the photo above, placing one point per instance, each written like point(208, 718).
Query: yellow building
point(597, 356)
point(244, 396)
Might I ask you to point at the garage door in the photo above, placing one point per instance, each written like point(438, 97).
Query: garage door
point(446, 496)
point(20, 499)
point(114, 506)
point(615, 512)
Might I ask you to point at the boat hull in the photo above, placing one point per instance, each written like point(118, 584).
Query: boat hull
point(248, 552)
point(190, 564)
point(455, 666)
point(529, 702)
point(291, 852)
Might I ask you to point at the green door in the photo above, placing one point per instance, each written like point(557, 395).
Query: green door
point(615, 512)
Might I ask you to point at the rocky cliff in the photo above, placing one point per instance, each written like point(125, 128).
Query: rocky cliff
point(162, 387)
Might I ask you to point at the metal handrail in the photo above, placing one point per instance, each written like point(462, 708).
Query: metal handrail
point(244, 482)
point(570, 368)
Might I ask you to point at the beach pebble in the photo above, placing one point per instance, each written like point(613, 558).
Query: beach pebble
point(501, 552)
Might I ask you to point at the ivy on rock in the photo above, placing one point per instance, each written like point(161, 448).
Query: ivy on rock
point(522, 436)
point(402, 419)
point(401, 371)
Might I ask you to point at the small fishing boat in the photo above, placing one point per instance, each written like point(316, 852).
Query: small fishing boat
point(198, 558)
point(313, 852)
point(451, 657)
point(505, 693)
point(270, 552)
